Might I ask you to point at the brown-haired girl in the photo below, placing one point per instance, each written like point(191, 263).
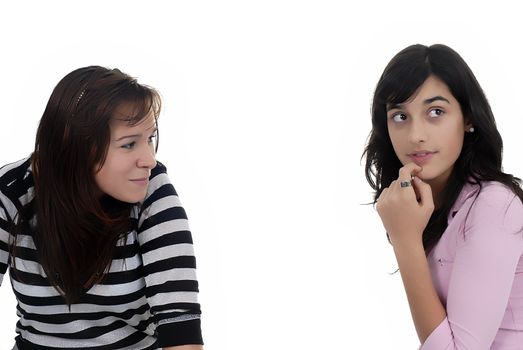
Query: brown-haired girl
point(98, 247)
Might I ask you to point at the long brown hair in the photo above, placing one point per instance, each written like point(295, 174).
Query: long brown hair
point(76, 231)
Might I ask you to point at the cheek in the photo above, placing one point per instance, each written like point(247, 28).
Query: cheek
point(397, 142)
point(103, 178)
point(109, 176)
point(454, 139)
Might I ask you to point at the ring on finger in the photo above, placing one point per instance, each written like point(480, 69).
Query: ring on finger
point(405, 184)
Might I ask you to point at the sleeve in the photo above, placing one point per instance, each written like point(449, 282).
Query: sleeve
point(484, 269)
point(4, 241)
point(169, 264)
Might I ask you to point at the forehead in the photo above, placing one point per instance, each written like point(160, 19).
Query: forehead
point(122, 123)
point(430, 88)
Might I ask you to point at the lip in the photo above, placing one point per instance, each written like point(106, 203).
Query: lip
point(421, 157)
point(142, 181)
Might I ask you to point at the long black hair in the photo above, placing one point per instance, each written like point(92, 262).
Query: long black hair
point(481, 156)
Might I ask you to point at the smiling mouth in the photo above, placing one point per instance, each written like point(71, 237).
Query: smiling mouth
point(140, 182)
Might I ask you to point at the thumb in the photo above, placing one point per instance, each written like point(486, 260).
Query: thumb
point(424, 191)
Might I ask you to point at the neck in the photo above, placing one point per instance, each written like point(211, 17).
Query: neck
point(437, 186)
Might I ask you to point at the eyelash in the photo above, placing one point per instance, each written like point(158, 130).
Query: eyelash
point(437, 109)
point(441, 112)
point(131, 145)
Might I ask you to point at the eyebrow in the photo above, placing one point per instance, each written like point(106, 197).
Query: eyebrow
point(435, 98)
point(428, 101)
point(135, 135)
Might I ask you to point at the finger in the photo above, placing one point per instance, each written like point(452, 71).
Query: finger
point(408, 170)
point(424, 191)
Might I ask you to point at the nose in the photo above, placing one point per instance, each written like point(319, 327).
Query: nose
point(146, 158)
point(418, 132)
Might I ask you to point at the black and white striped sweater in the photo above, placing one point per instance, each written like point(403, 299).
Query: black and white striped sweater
point(147, 300)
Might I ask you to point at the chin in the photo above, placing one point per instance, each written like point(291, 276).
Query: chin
point(130, 199)
point(424, 176)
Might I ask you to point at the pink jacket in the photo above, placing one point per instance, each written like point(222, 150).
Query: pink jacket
point(477, 270)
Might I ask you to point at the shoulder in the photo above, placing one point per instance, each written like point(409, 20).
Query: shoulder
point(15, 180)
point(160, 168)
point(160, 185)
point(158, 178)
point(12, 172)
point(497, 204)
point(497, 195)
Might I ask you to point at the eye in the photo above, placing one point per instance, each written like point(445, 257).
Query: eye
point(129, 145)
point(399, 117)
point(436, 112)
point(152, 137)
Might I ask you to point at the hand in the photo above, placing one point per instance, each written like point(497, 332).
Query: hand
point(403, 215)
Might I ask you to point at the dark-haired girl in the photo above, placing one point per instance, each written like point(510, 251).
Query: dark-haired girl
point(453, 217)
point(91, 229)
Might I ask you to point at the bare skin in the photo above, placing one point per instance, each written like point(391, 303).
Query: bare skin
point(185, 347)
point(405, 218)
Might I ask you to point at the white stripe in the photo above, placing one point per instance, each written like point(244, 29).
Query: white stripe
point(81, 308)
point(4, 236)
point(163, 253)
point(25, 241)
point(30, 267)
point(173, 297)
point(117, 265)
point(27, 197)
point(9, 206)
point(163, 228)
point(127, 264)
point(171, 275)
point(111, 290)
point(104, 339)
point(164, 203)
point(34, 291)
point(3, 214)
point(75, 326)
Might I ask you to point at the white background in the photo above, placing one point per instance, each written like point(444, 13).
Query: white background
point(266, 113)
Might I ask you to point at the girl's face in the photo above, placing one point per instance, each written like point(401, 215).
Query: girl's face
point(130, 158)
point(428, 130)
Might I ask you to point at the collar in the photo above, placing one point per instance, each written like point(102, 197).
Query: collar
point(469, 190)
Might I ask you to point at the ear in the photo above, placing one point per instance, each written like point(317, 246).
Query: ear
point(468, 125)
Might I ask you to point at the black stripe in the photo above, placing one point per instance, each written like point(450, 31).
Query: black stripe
point(173, 238)
point(161, 217)
point(63, 318)
point(167, 287)
point(171, 263)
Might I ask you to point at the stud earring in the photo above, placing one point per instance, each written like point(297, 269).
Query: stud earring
point(471, 129)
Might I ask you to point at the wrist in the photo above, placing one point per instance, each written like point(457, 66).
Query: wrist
point(410, 243)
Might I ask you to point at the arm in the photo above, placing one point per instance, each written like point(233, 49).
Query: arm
point(4, 241)
point(169, 264)
point(483, 273)
point(405, 218)
point(425, 306)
